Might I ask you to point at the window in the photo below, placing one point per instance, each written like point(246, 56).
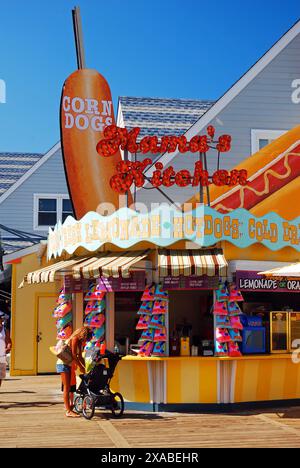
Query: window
point(262, 138)
point(49, 209)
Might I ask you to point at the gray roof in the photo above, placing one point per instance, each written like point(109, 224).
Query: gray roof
point(158, 116)
point(13, 166)
point(12, 245)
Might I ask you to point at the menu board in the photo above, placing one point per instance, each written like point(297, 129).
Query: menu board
point(190, 282)
point(136, 282)
point(72, 285)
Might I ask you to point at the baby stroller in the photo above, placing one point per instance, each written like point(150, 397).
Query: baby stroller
point(94, 390)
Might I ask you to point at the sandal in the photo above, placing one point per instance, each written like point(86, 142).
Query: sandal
point(71, 414)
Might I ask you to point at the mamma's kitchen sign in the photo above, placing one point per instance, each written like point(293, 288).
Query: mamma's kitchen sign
point(166, 225)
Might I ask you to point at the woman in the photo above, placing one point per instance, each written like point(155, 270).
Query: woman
point(77, 342)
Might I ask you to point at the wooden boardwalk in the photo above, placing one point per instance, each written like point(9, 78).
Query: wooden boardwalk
point(31, 415)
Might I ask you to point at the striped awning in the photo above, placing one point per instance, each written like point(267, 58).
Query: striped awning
point(192, 262)
point(288, 271)
point(116, 264)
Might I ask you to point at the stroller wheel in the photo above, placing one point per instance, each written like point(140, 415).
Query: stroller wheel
point(88, 407)
point(117, 405)
point(78, 402)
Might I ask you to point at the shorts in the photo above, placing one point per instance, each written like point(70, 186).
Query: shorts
point(62, 368)
point(2, 371)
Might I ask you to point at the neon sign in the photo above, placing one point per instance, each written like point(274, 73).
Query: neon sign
point(128, 172)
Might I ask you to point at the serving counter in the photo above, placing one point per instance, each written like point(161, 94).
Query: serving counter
point(176, 382)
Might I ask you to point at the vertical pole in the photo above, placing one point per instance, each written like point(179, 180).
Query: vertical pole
point(207, 187)
point(201, 186)
point(126, 159)
point(78, 37)
point(110, 321)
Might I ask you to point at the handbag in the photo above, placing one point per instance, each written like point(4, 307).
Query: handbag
point(63, 352)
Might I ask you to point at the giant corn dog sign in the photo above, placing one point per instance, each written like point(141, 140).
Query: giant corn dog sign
point(166, 225)
point(86, 109)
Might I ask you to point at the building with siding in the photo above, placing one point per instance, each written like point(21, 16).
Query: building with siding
point(262, 105)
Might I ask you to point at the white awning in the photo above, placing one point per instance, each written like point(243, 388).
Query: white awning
point(116, 264)
point(289, 271)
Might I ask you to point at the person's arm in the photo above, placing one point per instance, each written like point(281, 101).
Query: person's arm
point(7, 342)
point(77, 356)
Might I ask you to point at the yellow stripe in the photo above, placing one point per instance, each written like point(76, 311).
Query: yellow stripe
point(264, 380)
point(290, 380)
point(173, 381)
point(190, 382)
point(277, 379)
point(208, 382)
point(239, 381)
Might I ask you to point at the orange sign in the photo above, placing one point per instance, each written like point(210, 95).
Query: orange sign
point(86, 109)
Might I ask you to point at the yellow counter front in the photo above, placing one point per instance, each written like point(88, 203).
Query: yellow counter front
point(183, 381)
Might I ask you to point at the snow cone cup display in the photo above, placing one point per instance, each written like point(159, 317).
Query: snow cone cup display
point(233, 309)
point(62, 322)
point(220, 308)
point(233, 350)
point(147, 335)
point(94, 294)
point(160, 307)
point(143, 322)
point(160, 334)
point(62, 310)
point(159, 349)
point(148, 294)
point(222, 335)
point(221, 349)
point(234, 294)
point(95, 306)
point(64, 333)
point(146, 308)
point(157, 321)
point(222, 293)
point(159, 294)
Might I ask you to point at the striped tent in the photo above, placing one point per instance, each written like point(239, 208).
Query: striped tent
point(210, 262)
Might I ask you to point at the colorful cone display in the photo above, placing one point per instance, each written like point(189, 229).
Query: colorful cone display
point(146, 308)
point(95, 306)
point(222, 335)
point(234, 294)
point(143, 322)
point(235, 334)
point(159, 349)
point(234, 309)
point(62, 310)
point(152, 320)
point(233, 350)
point(159, 294)
point(146, 349)
point(62, 322)
point(160, 307)
point(222, 293)
point(94, 321)
point(157, 321)
point(235, 323)
point(160, 334)
point(94, 294)
point(221, 349)
point(64, 333)
point(148, 294)
point(220, 308)
point(147, 335)
point(227, 333)
point(63, 297)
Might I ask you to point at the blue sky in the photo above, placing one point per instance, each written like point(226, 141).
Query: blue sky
point(160, 48)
